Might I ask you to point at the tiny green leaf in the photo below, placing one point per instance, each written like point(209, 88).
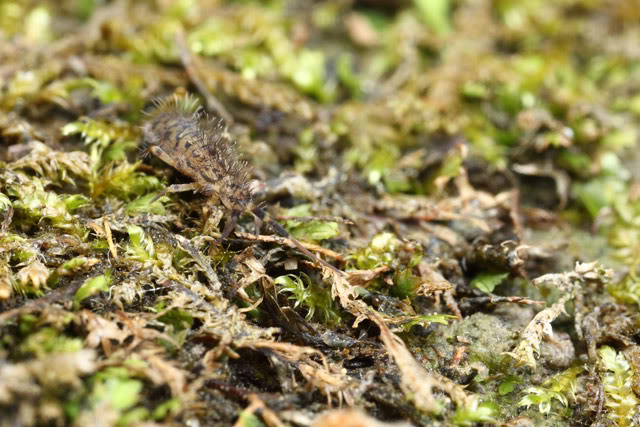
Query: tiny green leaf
point(475, 91)
point(92, 286)
point(133, 417)
point(141, 247)
point(122, 393)
point(166, 408)
point(487, 282)
point(471, 416)
point(247, 419)
point(406, 284)
point(508, 384)
point(144, 205)
point(315, 230)
point(75, 201)
point(425, 320)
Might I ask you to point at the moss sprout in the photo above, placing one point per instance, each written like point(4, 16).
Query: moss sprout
point(617, 379)
point(558, 388)
point(316, 299)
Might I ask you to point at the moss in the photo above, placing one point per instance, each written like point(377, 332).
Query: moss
point(314, 297)
point(557, 388)
point(423, 148)
point(617, 380)
point(91, 286)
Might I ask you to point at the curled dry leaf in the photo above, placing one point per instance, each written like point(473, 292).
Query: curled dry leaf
point(416, 382)
point(256, 404)
point(362, 277)
point(36, 273)
point(102, 330)
point(536, 331)
point(540, 327)
point(330, 379)
point(162, 371)
point(432, 281)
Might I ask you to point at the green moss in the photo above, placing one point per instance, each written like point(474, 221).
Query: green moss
point(114, 387)
point(33, 204)
point(381, 251)
point(556, 388)
point(367, 101)
point(315, 298)
point(71, 267)
point(484, 413)
point(141, 247)
point(487, 282)
point(149, 203)
point(426, 320)
point(179, 322)
point(626, 290)
point(405, 284)
point(91, 286)
point(124, 182)
point(309, 230)
point(436, 14)
point(107, 142)
point(47, 340)
point(617, 380)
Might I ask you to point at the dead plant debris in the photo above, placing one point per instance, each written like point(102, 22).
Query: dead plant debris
point(455, 185)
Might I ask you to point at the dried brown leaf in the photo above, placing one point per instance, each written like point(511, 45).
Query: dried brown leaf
point(362, 277)
point(416, 382)
point(101, 330)
point(540, 327)
point(432, 281)
point(36, 273)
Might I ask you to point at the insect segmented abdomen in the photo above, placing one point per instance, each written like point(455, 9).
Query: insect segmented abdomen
point(221, 152)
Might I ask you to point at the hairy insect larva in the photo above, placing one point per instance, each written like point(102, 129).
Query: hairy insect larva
point(183, 136)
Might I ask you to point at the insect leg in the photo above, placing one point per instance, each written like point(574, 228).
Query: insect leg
point(162, 155)
point(228, 228)
point(258, 219)
point(176, 188)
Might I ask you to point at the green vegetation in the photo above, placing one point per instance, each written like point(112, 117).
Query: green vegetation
point(469, 167)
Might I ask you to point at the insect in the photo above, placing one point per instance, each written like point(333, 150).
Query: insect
point(181, 134)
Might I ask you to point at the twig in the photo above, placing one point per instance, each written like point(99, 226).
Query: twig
point(314, 218)
point(107, 232)
point(291, 244)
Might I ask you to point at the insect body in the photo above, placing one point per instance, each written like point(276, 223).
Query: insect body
point(180, 134)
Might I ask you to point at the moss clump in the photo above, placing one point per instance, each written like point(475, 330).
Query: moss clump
point(448, 158)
